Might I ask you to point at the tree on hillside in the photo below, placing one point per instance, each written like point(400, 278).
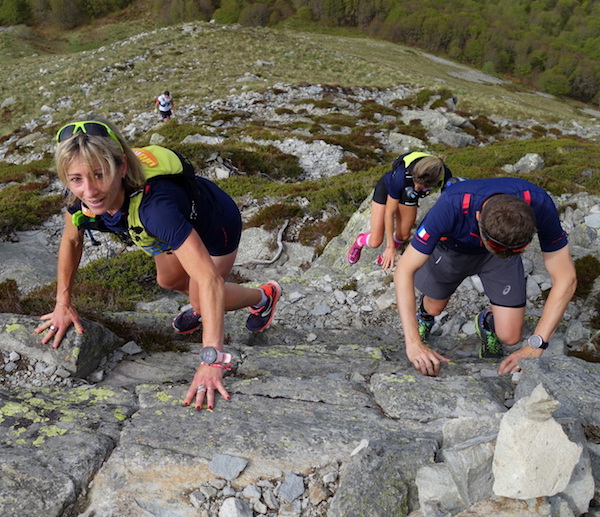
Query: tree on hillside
point(14, 12)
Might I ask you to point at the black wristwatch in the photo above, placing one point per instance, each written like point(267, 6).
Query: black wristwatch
point(210, 355)
point(537, 341)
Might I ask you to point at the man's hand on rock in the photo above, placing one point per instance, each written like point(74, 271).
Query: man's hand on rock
point(425, 360)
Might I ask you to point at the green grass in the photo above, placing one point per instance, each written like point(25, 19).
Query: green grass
point(216, 56)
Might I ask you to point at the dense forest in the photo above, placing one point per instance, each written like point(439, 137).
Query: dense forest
point(552, 45)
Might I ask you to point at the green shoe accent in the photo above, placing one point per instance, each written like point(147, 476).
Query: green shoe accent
point(491, 347)
point(424, 327)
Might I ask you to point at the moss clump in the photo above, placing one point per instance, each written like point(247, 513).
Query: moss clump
point(336, 119)
point(587, 269)
point(273, 216)
point(371, 111)
point(484, 125)
point(319, 233)
point(9, 297)
point(112, 284)
point(23, 206)
point(175, 132)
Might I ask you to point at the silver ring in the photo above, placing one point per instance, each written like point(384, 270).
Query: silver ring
point(52, 328)
point(201, 388)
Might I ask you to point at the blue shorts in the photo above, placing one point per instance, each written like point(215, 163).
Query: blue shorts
point(503, 279)
point(223, 236)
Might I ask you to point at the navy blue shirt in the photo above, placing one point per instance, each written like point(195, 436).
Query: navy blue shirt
point(453, 216)
point(165, 212)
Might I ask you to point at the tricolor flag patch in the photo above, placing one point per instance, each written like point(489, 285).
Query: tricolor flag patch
point(422, 234)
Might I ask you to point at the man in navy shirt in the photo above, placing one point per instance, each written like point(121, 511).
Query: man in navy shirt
point(481, 227)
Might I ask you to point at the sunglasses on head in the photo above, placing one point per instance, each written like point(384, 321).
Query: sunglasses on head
point(500, 246)
point(89, 127)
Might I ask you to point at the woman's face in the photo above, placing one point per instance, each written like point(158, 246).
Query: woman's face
point(90, 185)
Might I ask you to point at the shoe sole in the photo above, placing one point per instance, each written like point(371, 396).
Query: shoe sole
point(275, 300)
point(185, 331)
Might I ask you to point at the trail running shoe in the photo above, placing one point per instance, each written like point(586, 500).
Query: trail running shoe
point(260, 317)
point(355, 250)
point(491, 347)
point(187, 321)
point(425, 327)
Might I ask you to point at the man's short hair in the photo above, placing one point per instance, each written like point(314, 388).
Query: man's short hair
point(509, 222)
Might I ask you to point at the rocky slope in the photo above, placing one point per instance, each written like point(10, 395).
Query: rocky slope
point(326, 415)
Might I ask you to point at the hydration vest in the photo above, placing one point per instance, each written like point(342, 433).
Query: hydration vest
point(157, 162)
point(410, 195)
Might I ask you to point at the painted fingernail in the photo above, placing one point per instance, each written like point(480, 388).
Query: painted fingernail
point(198, 407)
point(228, 398)
point(186, 403)
point(209, 407)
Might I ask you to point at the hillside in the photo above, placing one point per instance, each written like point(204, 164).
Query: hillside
point(549, 44)
point(130, 68)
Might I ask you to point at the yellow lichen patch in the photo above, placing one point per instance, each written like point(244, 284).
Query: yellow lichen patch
point(71, 415)
point(40, 403)
point(16, 408)
point(163, 397)
point(14, 327)
point(404, 378)
point(39, 441)
point(248, 381)
point(92, 395)
point(119, 414)
point(52, 430)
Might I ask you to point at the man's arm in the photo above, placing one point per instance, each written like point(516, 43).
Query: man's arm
point(561, 269)
point(423, 358)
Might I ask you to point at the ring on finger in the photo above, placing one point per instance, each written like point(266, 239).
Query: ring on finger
point(52, 328)
point(201, 388)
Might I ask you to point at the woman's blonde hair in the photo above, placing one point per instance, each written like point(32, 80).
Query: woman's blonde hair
point(103, 151)
point(429, 171)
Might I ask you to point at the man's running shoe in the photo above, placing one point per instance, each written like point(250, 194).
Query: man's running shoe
point(491, 347)
point(425, 327)
point(260, 317)
point(187, 321)
point(355, 249)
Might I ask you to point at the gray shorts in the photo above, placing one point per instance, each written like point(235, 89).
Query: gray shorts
point(503, 279)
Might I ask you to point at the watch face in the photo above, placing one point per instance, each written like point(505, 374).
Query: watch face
point(208, 355)
point(535, 341)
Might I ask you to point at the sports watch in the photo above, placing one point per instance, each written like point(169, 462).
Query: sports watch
point(537, 341)
point(210, 355)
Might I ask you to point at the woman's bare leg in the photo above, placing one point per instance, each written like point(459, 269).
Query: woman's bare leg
point(170, 274)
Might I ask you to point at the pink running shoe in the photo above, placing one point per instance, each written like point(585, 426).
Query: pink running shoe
point(356, 249)
point(261, 317)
